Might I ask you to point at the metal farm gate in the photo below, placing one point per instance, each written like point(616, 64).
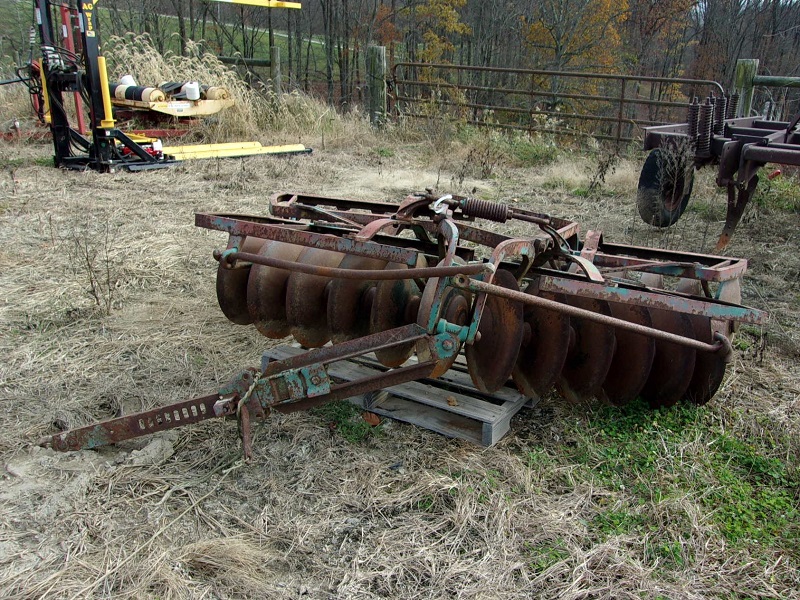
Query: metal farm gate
point(600, 105)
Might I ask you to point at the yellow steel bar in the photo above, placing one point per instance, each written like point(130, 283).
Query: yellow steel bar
point(206, 147)
point(263, 3)
point(108, 120)
point(209, 151)
point(46, 109)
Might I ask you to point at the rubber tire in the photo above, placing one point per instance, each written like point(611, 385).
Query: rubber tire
point(660, 199)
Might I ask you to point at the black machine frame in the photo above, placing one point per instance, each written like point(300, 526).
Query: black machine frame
point(62, 71)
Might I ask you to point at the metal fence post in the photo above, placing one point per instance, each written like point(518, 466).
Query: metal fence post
point(376, 84)
point(275, 69)
point(743, 84)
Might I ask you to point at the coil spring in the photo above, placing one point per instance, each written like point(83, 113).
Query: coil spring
point(733, 106)
point(483, 209)
point(692, 112)
point(720, 111)
point(704, 125)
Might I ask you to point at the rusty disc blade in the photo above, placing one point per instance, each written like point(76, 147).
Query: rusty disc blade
point(395, 304)
point(709, 367)
point(307, 298)
point(349, 300)
point(266, 291)
point(546, 335)
point(589, 358)
point(491, 359)
point(232, 286)
point(673, 364)
point(633, 357)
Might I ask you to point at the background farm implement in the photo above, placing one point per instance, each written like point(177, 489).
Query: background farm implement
point(711, 136)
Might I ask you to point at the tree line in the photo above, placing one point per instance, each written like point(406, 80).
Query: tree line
point(325, 42)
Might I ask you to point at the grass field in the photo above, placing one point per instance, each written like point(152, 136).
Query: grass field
point(109, 306)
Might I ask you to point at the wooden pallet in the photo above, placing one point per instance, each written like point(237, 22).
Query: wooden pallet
point(449, 405)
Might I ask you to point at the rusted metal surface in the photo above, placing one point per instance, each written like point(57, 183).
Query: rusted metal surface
point(633, 356)
point(594, 314)
point(136, 425)
point(491, 358)
point(592, 346)
point(673, 364)
point(545, 344)
point(594, 320)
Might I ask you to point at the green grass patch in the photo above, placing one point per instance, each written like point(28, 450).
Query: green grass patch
point(345, 418)
point(28, 161)
point(660, 464)
point(781, 193)
point(544, 556)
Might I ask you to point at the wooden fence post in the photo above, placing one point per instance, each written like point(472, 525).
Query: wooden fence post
point(743, 84)
point(376, 84)
point(275, 69)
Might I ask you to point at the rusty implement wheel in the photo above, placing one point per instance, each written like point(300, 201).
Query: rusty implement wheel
point(395, 304)
point(232, 286)
point(709, 367)
point(633, 357)
point(545, 343)
point(665, 186)
point(307, 298)
point(350, 300)
point(590, 355)
point(491, 358)
point(673, 364)
point(266, 291)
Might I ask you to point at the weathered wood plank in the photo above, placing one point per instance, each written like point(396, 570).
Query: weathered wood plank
point(452, 407)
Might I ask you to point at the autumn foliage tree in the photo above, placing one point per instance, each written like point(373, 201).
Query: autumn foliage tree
point(575, 33)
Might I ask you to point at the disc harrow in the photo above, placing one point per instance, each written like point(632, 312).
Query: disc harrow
point(419, 284)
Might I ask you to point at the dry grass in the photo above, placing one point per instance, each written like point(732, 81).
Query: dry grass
point(404, 514)
point(257, 111)
point(15, 105)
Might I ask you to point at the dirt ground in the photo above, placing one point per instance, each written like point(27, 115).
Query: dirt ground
point(108, 306)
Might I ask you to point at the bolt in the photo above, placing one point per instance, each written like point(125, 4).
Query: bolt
point(316, 380)
point(447, 344)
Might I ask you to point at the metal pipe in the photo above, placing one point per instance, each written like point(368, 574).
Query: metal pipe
point(583, 75)
point(473, 285)
point(365, 274)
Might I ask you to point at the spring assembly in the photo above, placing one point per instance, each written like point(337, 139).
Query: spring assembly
point(692, 113)
point(720, 110)
point(482, 209)
point(733, 106)
point(704, 128)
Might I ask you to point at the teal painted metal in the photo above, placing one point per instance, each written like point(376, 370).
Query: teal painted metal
point(709, 307)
